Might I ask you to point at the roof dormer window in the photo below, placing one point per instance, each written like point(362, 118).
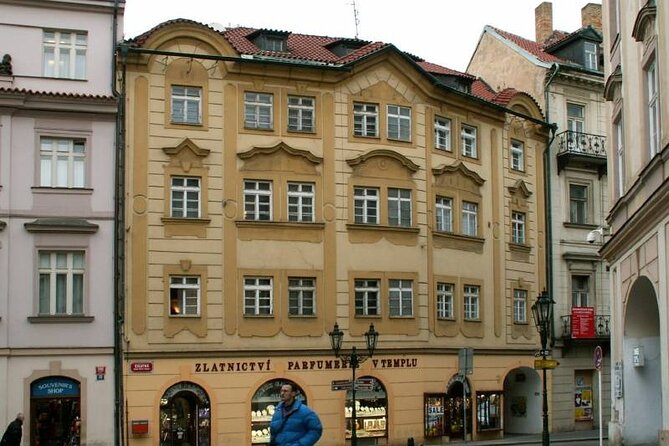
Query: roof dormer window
point(591, 57)
point(271, 41)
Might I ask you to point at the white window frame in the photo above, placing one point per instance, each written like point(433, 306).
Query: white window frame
point(64, 54)
point(519, 306)
point(301, 113)
point(258, 296)
point(575, 124)
point(187, 192)
point(580, 296)
point(471, 300)
point(189, 99)
point(399, 207)
point(366, 205)
point(518, 227)
point(302, 296)
point(301, 200)
point(444, 214)
point(591, 59)
point(470, 212)
point(62, 162)
point(258, 200)
point(579, 205)
point(468, 136)
point(399, 122)
point(187, 291)
point(653, 108)
point(62, 276)
point(258, 110)
point(400, 298)
point(445, 300)
point(442, 133)
point(365, 119)
point(367, 297)
point(517, 155)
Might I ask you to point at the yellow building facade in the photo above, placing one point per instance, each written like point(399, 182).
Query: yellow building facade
point(277, 184)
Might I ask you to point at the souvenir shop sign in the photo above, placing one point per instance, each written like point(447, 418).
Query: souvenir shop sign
point(55, 386)
point(582, 322)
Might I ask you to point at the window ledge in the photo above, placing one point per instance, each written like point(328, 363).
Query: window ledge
point(399, 140)
point(375, 227)
point(519, 247)
point(62, 190)
point(302, 316)
point(186, 221)
point(61, 225)
point(302, 132)
point(279, 224)
point(446, 319)
point(64, 319)
point(187, 124)
point(184, 316)
point(521, 324)
point(455, 236)
point(258, 129)
point(402, 317)
point(568, 224)
point(258, 316)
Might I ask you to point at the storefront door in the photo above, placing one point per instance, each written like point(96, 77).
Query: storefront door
point(54, 412)
point(455, 412)
point(185, 416)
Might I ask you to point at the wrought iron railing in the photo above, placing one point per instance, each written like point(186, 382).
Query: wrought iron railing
point(602, 326)
point(581, 144)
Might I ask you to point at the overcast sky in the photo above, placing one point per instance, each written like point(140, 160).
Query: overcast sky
point(444, 32)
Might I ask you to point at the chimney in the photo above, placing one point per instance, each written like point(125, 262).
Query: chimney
point(543, 21)
point(591, 15)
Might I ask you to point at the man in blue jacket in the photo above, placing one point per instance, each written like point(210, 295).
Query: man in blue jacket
point(293, 423)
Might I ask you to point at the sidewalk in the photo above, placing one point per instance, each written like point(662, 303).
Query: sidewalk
point(555, 437)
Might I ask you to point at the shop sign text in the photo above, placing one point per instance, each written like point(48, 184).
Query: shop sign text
point(312, 364)
point(236, 366)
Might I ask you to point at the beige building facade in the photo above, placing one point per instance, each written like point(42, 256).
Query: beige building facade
point(277, 184)
point(636, 43)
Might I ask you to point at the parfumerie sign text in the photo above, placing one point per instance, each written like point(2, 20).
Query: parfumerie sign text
point(312, 364)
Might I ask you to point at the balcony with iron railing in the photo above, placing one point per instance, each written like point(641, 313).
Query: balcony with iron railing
point(602, 328)
point(582, 150)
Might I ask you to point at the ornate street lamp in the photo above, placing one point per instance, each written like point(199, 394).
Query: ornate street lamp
point(354, 359)
point(542, 311)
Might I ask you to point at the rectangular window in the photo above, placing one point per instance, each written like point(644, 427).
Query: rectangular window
point(518, 228)
point(591, 58)
point(61, 283)
point(257, 200)
point(400, 297)
point(367, 297)
point(488, 411)
point(653, 109)
point(186, 105)
point(442, 134)
point(300, 202)
point(365, 119)
point(399, 123)
point(468, 136)
point(399, 207)
point(520, 306)
point(578, 203)
point(301, 296)
point(258, 296)
point(258, 111)
point(470, 218)
point(300, 114)
point(62, 162)
point(185, 197)
point(444, 213)
point(64, 54)
point(620, 153)
point(471, 302)
point(184, 296)
point(445, 300)
point(579, 291)
point(517, 155)
point(575, 123)
point(366, 204)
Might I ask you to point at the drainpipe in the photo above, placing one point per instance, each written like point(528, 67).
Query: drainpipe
point(119, 240)
point(547, 192)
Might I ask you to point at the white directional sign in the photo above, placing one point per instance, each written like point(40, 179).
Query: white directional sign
point(342, 384)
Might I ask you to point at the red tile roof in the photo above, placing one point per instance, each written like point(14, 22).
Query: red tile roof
point(532, 47)
point(25, 91)
point(438, 69)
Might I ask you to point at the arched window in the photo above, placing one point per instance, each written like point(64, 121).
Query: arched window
point(185, 416)
point(263, 404)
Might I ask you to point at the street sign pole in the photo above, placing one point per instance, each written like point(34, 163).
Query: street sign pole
point(599, 362)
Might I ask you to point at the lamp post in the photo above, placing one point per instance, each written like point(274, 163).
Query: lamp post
point(354, 359)
point(542, 310)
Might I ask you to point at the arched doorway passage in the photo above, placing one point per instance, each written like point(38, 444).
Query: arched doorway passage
point(458, 408)
point(522, 402)
point(185, 416)
point(642, 358)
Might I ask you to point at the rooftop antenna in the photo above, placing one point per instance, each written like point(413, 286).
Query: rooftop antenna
point(355, 18)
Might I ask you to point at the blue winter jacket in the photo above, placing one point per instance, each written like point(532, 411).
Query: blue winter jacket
point(299, 427)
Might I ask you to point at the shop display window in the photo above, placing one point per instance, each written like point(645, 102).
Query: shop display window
point(435, 415)
point(185, 416)
point(371, 411)
point(488, 411)
point(263, 404)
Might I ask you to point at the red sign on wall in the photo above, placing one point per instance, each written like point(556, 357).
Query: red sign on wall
point(582, 322)
point(139, 367)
